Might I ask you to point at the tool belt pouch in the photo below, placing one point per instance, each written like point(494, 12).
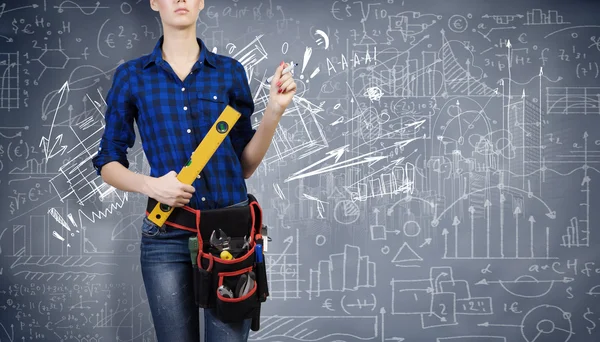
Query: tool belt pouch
point(202, 285)
point(237, 303)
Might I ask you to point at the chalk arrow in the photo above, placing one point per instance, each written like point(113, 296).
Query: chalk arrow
point(49, 152)
point(370, 160)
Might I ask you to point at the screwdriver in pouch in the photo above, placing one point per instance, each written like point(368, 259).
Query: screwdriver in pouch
point(193, 247)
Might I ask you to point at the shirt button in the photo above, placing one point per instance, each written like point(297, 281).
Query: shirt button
point(184, 107)
point(198, 176)
point(215, 97)
point(182, 89)
point(203, 199)
point(189, 130)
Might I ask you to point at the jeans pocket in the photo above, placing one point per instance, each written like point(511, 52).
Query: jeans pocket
point(149, 228)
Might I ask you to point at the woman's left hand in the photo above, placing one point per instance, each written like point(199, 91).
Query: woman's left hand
point(283, 88)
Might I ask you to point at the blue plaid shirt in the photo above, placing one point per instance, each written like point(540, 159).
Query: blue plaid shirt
point(173, 116)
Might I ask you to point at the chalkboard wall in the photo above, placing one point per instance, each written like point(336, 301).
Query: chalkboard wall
point(435, 178)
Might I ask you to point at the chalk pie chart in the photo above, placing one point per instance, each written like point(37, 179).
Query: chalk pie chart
point(547, 323)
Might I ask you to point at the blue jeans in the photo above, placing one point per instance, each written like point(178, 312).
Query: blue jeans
point(167, 274)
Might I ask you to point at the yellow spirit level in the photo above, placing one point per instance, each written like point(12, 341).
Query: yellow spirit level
point(199, 158)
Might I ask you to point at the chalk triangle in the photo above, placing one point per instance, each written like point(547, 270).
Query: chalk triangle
point(406, 253)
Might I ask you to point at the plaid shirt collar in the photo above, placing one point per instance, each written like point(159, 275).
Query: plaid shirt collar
point(206, 56)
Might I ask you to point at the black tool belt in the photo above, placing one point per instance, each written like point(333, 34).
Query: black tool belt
point(235, 283)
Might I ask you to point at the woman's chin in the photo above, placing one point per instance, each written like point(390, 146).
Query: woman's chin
point(181, 23)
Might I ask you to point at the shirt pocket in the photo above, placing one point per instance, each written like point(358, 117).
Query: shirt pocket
point(208, 107)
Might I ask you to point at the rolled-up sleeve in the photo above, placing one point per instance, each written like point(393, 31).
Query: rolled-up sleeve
point(119, 133)
point(241, 99)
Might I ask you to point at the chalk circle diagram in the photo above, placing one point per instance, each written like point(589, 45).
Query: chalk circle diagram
point(411, 228)
point(346, 212)
point(526, 286)
point(458, 23)
point(547, 323)
point(371, 127)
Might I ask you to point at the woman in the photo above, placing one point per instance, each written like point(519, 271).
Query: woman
point(175, 94)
